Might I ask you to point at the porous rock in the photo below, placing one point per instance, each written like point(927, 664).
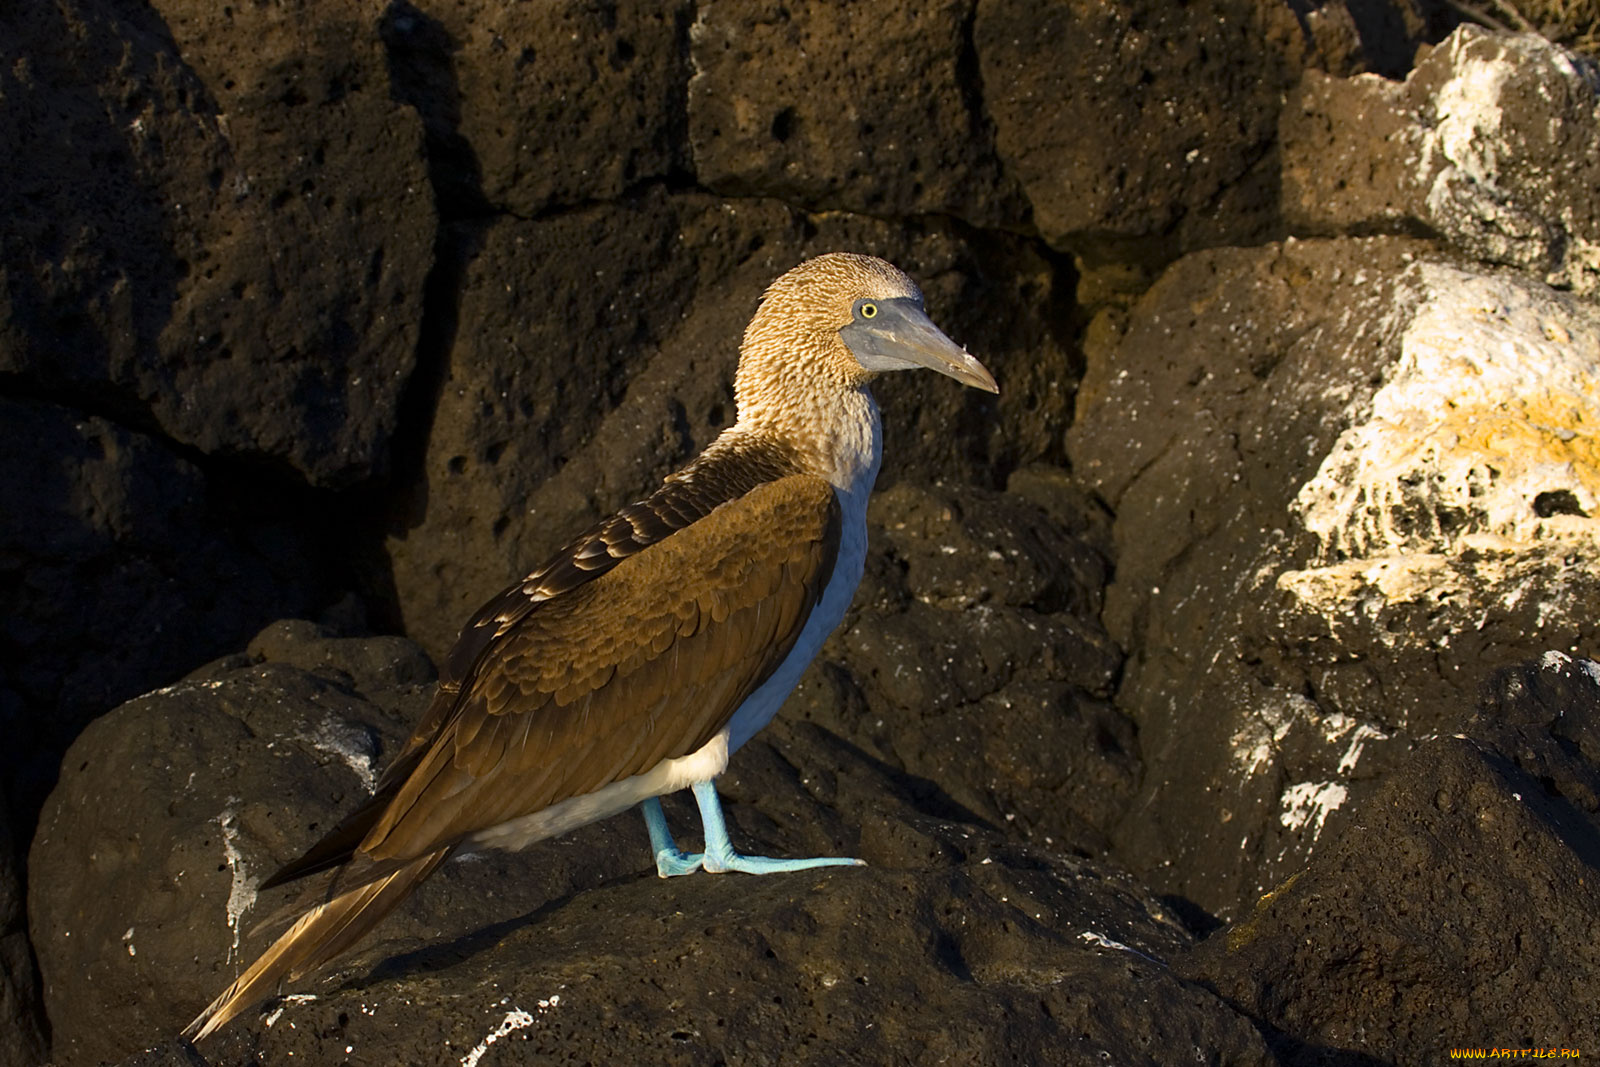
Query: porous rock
point(974, 658)
point(21, 1012)
point(174, 807)
point(869, 109)
point(174, 1052)
point(979, 955)
point(1137, 123)
point(1484, 143)
point(495, 81)
point(525, 451)
point(1347, 480)
point(1459, 908)
point(218, 224)
point(116, 576)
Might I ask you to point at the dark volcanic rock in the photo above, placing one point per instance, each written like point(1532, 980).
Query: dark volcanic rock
point(1330, 483)
point(1462, 906)
point(871, 109)
point(115, 577)
point(552, 103)
point(173, 807)
point(1253, 339)
point(526, 450)
point(979, 956)
point(574, 944)
point(173, 1053)
point(1333, 474)
point(218, 225)
point(974, 658)
point(1138, 123)
point(1484, 144)
point(21, 1012)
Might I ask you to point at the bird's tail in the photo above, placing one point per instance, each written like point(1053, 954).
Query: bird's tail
point(317, 937)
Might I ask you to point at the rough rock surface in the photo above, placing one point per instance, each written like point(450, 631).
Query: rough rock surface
point(219, 225)
point(870, 109)
point(20, 1012)
point(1182, 101)
point(974, 658)
point(187, 797)
point(1484, 143)
point(112, 571)
point(134, 919)
point(1459, 910)
point(494, 80)
point(310, 299)
point(525, 451)
point(1346, 483)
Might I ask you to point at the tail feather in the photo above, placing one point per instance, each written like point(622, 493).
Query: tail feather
point(343, 843)
point(320, 934)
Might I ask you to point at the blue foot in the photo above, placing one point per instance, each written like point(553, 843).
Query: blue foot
point(730, 860)
point(670, 860)
point(719, 855)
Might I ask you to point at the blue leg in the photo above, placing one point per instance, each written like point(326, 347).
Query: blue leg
point(669, 860)
point(720, 856)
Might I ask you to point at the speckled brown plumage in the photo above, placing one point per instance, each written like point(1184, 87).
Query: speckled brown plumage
point(658, 651)
point(726, 471)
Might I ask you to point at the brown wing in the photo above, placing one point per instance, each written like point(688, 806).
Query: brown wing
point(647, 662)
point(719, 475)
point(724, 472)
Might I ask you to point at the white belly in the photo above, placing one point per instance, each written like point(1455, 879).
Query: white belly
point(669, 775)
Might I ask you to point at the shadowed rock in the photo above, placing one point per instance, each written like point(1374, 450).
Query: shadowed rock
point(220, 259)
point(572, 944)
point(220, 225)
point(871, 109)
point(1458, 911)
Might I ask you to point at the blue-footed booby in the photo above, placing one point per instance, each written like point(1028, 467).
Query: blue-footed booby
point(647, 650)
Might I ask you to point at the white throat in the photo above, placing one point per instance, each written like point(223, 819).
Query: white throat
point(839, 434)
point(850, 452)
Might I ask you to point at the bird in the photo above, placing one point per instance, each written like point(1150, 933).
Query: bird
point(643, 653)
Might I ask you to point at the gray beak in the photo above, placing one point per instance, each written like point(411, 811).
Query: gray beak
point(901, 336)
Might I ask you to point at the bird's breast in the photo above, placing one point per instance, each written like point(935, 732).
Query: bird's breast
point(760, 706)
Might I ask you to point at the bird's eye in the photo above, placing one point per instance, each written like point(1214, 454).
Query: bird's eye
point(868, 310)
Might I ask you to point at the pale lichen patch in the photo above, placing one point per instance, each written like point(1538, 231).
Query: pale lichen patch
point(1475, 470)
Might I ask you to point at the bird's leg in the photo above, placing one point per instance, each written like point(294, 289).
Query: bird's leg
point(719, 854)
point(669, 860)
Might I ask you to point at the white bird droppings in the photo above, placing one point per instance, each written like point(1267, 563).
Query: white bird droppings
point(1476, 466)
point(351, 744)
point(1102, 941)
point(516, 1019)
point(242, 891)
point(1310, 803)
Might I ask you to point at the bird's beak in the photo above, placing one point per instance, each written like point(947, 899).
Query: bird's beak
point(901, 336)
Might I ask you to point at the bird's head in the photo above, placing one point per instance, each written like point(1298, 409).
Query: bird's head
point(839, 320)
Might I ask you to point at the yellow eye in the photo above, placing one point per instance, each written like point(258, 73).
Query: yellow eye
point(868, 310)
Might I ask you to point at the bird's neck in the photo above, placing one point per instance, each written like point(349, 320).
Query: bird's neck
point(836, 434)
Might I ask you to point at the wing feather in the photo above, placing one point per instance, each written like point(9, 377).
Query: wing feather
point(644, 663)
point(690, 495)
